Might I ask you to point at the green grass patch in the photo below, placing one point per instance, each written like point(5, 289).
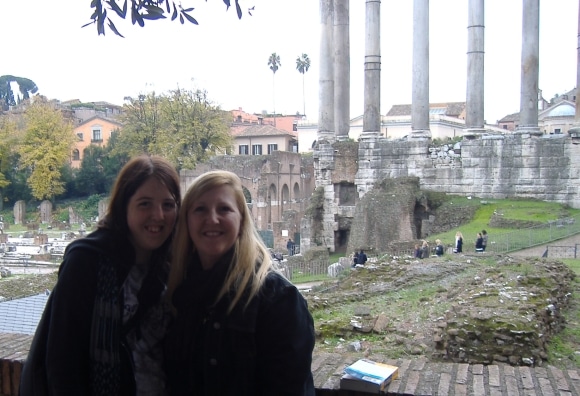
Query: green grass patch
point(299, 277)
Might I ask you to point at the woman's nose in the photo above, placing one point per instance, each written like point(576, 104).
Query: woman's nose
point(213, 216)
point(158, 212)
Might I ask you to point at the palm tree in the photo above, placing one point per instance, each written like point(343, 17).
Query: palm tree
point(302, 65)
point(274, 63)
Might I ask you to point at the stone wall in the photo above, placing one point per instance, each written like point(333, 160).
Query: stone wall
point(498, 167)
point(494, 166)
point(385, 214)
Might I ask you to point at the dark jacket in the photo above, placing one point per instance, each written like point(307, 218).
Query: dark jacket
point(262, 350)
point(59, 361)
point(459, 246)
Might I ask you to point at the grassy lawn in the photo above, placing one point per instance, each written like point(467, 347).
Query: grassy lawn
point(530, 211)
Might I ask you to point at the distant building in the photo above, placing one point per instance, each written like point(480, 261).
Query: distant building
point(262, 140)
point(446, 120)
point(93, 131)
point(554, 117)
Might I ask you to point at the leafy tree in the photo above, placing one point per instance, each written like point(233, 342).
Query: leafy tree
point(183, 126)
point(112, 161)
point(142, 119)
point(274, 63)
point(302, 65)
point(47, 142)
point(90, 178)
point(8, 136)
point(25, 86)
point(142, 10)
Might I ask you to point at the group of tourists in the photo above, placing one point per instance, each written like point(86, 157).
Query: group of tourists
point(422, 250)
point(480, 242)
point(359, 258)
point(171, 297)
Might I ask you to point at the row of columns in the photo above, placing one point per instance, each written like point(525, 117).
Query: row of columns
point(334, 84)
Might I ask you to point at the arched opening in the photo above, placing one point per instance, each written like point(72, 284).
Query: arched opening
point(272, 201)
point(296, 193)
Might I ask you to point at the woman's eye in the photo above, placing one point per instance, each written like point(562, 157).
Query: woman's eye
point(169, 205)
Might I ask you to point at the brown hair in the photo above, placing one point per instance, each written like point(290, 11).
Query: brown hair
point(136, 172)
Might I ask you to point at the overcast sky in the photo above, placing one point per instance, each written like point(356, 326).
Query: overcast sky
point(43, 41)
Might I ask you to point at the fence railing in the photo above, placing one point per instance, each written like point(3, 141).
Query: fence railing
point(497, 243)
point(533, 236)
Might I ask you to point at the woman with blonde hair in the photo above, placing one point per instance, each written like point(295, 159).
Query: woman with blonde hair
point(458, 242)
point(240, 327)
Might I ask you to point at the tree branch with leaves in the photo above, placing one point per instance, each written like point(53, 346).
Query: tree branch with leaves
point(144, 10)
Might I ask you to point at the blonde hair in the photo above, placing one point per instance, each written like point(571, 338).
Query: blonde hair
point(251, 260)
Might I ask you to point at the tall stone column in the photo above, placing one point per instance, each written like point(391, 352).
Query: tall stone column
point(420, 103)
point(474, 117)
point(575, 130)
point(372, 94)
point(341, 69)
point(530, 68)
point(326, 76)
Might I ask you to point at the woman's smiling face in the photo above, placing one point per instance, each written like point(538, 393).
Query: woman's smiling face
point(214, 222)
point(151, 216)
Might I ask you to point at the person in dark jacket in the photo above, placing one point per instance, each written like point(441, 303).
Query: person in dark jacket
point(479, 243)
point(361, 258)
point(439, 249)
point(458, 242)
point(240, 327)
point(102, 328)
point(484, 240)
point(290, 246)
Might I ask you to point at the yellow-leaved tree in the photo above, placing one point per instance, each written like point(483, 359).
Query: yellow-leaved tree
point(8, 136)
point(45, 148)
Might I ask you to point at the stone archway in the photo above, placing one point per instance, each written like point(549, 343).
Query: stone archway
point(296, 193)
point(285, 204)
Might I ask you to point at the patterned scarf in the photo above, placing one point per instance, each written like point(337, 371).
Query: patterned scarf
point(105, 341)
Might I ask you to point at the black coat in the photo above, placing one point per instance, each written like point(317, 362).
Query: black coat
point(262, 350)
point(59, 357)
point(459, 245)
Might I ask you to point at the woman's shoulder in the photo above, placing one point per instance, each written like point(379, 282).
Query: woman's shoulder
point(276, 284)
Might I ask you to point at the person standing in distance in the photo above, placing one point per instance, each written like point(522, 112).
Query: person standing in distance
point(484, 241)
point(458, 242)
point(240, 327)
point(290, 247)
point(101, 330)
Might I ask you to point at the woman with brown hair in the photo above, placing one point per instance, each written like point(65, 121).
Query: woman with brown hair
point(101, 330)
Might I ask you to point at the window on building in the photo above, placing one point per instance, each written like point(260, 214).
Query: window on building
point(97, 136)
point(80, 136)
point(76, 155)
point(505, 126)
point(272, 147)
point(295, 127)
point(256, 149)
point(243, 149)
point(557, 130)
